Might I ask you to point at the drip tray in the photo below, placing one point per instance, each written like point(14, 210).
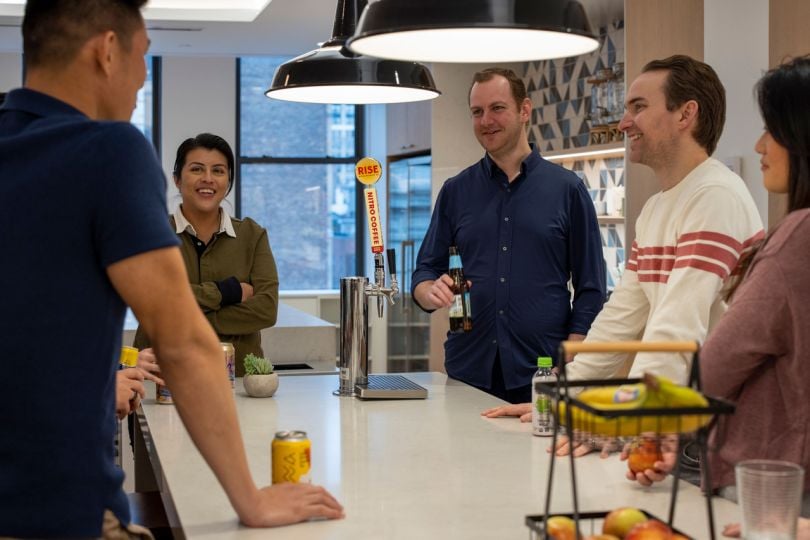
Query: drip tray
point(390, 387)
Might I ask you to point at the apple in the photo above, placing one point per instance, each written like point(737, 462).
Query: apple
point(651, 529)
point(644, 452)
point(561, 528)
point(620, 521)
point(602, 537)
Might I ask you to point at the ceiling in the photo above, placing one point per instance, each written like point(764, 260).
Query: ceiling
point(285, 27)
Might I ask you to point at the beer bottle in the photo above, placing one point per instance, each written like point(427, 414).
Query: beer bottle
point(460, 313)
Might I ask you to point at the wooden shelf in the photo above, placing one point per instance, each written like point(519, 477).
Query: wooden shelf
point(614, 149)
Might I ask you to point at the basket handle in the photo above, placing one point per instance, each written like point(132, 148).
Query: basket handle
point(573, 347)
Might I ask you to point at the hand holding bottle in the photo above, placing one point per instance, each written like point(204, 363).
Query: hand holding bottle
point(437, 293)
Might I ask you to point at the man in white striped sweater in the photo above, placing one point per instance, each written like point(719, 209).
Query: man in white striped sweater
point(689, 236)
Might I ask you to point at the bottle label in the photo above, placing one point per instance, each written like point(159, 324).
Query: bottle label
point(467, 304)
point(456, 309)
point(543, 404)
point(542, 419)
point(455, 261)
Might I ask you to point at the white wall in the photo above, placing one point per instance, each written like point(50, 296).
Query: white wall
point(454, 147)
point(199, 95)
point(736, 46)
point(10, 71)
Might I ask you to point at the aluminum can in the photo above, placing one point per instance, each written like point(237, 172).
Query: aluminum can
point(291, 457)
point(163, 395)
point(128, 357)
point(230, 366)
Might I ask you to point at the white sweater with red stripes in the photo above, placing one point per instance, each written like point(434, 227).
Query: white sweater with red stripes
point(688, 241)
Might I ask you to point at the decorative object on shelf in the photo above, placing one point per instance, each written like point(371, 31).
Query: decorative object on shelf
point(600, 98)
point(599, 135)
point(561, 94)
point(334, 74)
point(259, 380)
point(607, 105)
point(473, 30)
point(618, 92)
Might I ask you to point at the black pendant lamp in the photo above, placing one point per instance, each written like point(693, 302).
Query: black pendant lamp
point(334, 74)
point(473, 30)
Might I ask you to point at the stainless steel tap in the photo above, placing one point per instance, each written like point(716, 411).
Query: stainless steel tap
point(379, 289)
point(354, 293)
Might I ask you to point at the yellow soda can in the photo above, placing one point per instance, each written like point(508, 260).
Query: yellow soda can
point(291, 457)
point(128, 357)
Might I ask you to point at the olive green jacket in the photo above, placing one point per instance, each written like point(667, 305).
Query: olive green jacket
point(248, 258)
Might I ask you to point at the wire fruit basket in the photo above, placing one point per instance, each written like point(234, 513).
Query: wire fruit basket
point(589, 523)
point(633, 415)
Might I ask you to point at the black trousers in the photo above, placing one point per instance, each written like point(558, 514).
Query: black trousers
point(521, 394)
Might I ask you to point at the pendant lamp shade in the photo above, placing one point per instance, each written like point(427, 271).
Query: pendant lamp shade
point(334, 74)
point(473, 30)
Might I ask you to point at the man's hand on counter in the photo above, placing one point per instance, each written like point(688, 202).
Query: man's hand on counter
point(523, 410)
point(605, 445)
point(284, 504)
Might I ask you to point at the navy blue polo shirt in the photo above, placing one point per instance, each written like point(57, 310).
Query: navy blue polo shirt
point(75, 197)
point(520, 243)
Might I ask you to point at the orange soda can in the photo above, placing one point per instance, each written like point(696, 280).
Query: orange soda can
point(291, 457)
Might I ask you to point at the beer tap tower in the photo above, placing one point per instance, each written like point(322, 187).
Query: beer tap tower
point(354, 292)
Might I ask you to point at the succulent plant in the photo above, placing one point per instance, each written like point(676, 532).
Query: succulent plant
point(256, 365)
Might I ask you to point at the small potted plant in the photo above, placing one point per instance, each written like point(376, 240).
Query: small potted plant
point(260, 381)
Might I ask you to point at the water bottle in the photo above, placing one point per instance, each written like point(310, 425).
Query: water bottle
point(542, 417)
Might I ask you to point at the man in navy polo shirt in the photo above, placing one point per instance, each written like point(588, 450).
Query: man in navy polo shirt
point(84, 233)
point(524, 227)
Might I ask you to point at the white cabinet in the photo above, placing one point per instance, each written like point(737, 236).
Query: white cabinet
point(408, 127)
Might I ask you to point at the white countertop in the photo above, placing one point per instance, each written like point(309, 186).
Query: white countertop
point(420, 469)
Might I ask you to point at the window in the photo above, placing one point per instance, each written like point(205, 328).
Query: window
point(296, 179)
point(146, 115)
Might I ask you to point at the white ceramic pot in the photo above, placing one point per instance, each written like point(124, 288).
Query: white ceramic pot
point(261, 385)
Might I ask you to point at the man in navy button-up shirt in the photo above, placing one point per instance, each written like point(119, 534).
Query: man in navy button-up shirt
point(524, 227)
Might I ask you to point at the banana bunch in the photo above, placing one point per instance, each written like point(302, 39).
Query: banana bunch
point(653, 393)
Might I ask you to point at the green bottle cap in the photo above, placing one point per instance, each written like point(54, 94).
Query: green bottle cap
point(544, 361)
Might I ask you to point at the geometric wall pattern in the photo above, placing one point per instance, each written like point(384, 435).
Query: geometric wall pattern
point(561, 102)
point(604, 178)
point(561, 94)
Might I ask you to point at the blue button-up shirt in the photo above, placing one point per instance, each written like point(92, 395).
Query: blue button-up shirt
point(520, 244)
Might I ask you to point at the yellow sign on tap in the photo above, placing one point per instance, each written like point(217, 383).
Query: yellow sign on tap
point(368, 170)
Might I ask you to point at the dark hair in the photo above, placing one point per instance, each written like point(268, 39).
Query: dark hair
point(783, 94)
point(515, 83)
point(54, 30)
point(690, 79)
point(208, 141)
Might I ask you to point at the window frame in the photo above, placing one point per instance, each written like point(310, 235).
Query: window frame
point(157, 94)
point(359, 152)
